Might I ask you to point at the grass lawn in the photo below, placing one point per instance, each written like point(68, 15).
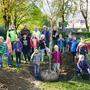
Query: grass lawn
point(69, 85)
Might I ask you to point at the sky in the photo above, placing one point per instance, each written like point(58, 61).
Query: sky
point(76, 19)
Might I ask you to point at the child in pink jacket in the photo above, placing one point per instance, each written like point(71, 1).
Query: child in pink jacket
point(34, 42)
point(57, 58)
point(9, 51)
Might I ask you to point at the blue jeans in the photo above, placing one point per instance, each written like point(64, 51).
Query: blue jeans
point(9, 60)
point(42, 54)
point(37, 71)
point(1, 63)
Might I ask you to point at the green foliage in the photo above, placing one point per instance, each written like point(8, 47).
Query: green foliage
point(21, 12)
point(83, 34)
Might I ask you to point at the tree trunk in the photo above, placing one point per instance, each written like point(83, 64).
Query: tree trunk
point(6, 14)
point(86, 23)
point(63, 15)
point(85, 13)
point(63, 22)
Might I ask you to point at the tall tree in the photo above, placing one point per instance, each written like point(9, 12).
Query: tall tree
point(65, 8)
point(84, 11)
point(19, 12)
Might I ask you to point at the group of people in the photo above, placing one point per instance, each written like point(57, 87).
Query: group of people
point(40, 46)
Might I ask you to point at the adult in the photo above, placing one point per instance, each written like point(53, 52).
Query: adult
point(46, 32)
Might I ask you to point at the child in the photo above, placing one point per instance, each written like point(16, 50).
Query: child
point(82, 66)
point(42, 45)
point(73, 48)
point(18, 50)
point(57, 58)
point(60, 43)
point(82, 48)
point(26, 47)
point(9, 51)
point(47, 58)
point(2, 50)
point(34, 42)
point(36, 57)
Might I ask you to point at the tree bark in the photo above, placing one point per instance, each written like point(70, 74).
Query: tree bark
point(85, 13)
point(63, 15)
point(6, 16)
point(87, 26)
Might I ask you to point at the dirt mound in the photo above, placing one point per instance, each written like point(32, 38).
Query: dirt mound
point(11, 80)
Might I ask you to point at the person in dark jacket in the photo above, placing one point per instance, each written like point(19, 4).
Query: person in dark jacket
point(18, 50)
point(73, 48)
point(46, 32)
point(42, 46)
point(26, 47)
point(55, 36)
point(83, 67)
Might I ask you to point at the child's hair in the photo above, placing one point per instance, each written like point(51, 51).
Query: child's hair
point(36, 50)
point(60, 35)
point(42, 36)
point(56, 47)
point(1, 38)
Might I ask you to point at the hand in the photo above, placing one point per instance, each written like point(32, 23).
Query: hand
point(17, 49)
